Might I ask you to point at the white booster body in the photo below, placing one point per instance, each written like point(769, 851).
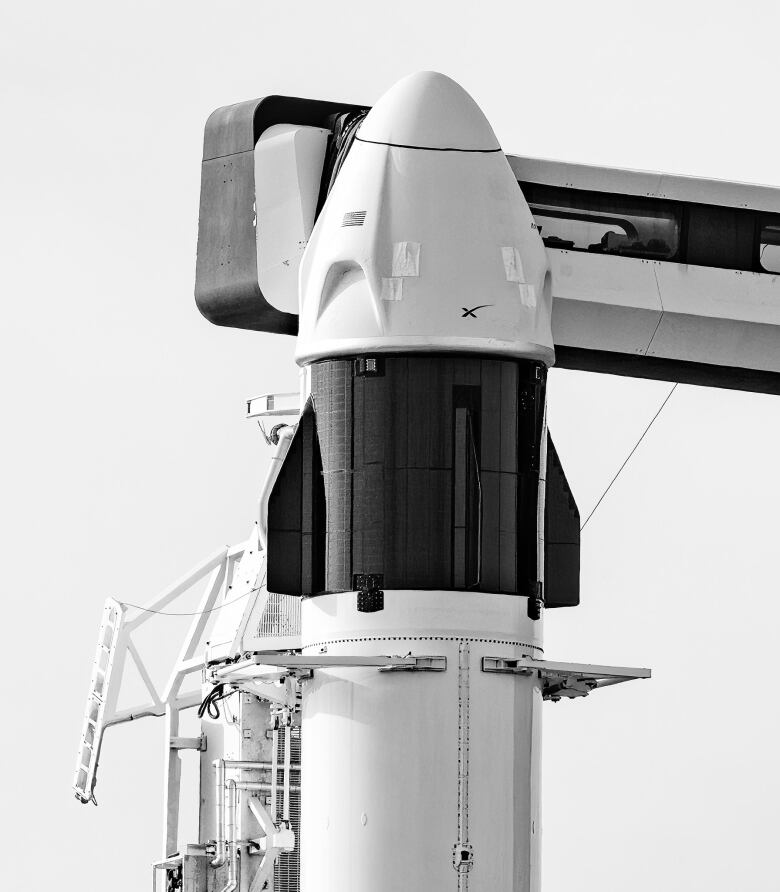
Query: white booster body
point(422, 781)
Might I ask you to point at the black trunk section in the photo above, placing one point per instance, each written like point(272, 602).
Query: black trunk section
point(424, 472)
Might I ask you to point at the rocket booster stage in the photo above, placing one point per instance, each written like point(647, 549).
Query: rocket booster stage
point(410, 508)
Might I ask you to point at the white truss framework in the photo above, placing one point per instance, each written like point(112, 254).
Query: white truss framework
point(116, 645)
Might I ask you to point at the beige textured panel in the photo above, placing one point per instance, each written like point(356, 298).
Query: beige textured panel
point(604, 279)
point(720, 293)
point(603, 303)
point(591, 325)
point(720, 342)
point(719, 317)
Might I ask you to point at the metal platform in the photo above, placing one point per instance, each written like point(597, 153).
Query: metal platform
point(564, 680)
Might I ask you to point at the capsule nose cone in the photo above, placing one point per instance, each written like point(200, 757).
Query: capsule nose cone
point(428, 110)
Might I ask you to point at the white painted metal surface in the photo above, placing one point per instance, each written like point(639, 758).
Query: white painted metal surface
point(665, 310)
point(427, 110)
point(403, 771)
point(288, 165)
point(421, 248)
point(116, 644)
point(670, 311)
point(646, 183)
point(247, 585)
point(269, 405)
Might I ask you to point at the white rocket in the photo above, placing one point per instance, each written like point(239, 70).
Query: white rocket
point(425, 337)
point(416, 515)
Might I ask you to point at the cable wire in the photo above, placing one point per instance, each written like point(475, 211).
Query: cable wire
point(196, 612)
point(210, 704)
point(628, 457)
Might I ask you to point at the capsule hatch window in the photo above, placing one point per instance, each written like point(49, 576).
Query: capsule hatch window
point(769, 246)
point(601, 223)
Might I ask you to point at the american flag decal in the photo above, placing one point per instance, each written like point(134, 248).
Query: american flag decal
point(354, 218)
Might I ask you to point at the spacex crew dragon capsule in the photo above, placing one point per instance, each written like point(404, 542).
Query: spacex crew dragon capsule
point(425, 341)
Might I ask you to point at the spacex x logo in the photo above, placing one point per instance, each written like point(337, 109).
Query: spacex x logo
point(473, 312)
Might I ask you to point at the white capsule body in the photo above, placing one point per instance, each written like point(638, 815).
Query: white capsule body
point(423, 248)
point(403, 771)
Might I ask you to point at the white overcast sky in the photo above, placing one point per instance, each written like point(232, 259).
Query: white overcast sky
point(127, 459)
